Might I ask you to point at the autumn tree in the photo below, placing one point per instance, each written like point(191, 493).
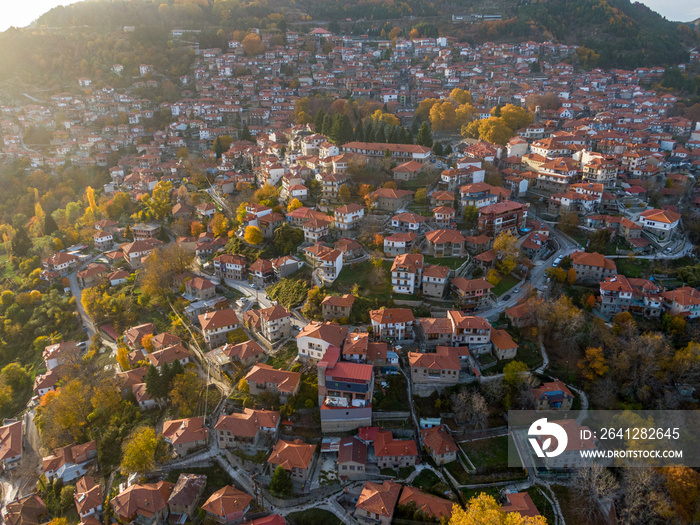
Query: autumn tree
point(158, 203)
point(267, 195)
point(683, 485)
point(252, 44)
point(422, 112)
point(139, 452)
point(253, 235)
point(571, 276)
point(123, 358)
point(443, 116)
point(594, 364)
point(219, 224)
point(515, 117)
point(560, 321)
point(460, 96)
point(185, 393)
point(421, 196)
point(507, 252)
point(485, 510)
point(157, 276)
point(569, 223)
point(344, 193)
point(295, 204)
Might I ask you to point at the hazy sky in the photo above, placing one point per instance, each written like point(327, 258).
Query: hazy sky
point(20, 13)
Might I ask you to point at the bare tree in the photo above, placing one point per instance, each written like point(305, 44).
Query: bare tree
point(594, 484)
point(470, 407)
point(644, 497)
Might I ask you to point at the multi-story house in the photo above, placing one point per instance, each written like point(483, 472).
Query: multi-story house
point(440, 368)
point(226, 358)
point(147, 503)
point(201, 288)
point(407, 273)
point(293, 456)
point(475, 332)
point(328, 261)
point(330, 184)
point(479, 194)
point(472, 293)
point(11, 438)
point(275, 323)
point(352, 458)
point(336, 307)
point(393, 323)
point(388, 199)
point(444, 216)
point(344, 393)
point(143, 232)
point(615, 295)
point(592, 267)
point(502, 216)
point(229, 266)
point(103, 241)
point(435, 279)
point(316, 229)
point(186, 495)
point(185, 435)
point(262, 273)
point(661, 224)
point(349, 216)
point(227, 505)
point(377, 502)
point(58, 264)
point(601, 170)
point(136, 252)
point(394, 453)
point(264, 378)
point(248, 428)
point(315, 338)
point(439, 444)
point(88, 497)
point(69, 462)
point(503, 345)
point(217, 324)
point(683, 301)
point(399, 243)
point(445, 243)
point(399, 152)
point(91, 274)
point(407, 222)
point(554, 395)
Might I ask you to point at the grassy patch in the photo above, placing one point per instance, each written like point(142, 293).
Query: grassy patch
point(488, 453)
point(313, 517)
point(491, 491)
point(450, 262)
point(420, 210)
point(505, 284)
point(365, 275)
point(580, 236)
point(528, 353)
point(423, 180)
point(633, 267)
point(391, 397)
point(401, 473)
point(233, 293)
point(284, 356)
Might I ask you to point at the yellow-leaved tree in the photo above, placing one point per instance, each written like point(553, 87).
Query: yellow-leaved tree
point(253, 235)
point(139, 451)
point(295, 204)
point(485, 510)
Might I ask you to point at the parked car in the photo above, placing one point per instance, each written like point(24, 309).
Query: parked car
point(516, 290)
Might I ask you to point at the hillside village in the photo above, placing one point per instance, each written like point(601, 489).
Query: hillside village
point(314, 284)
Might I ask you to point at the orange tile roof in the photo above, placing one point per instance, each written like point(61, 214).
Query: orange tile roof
point(379, 498)
point(426, 503)
point(292, 454)
point(438, 440)
point(227, 501)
